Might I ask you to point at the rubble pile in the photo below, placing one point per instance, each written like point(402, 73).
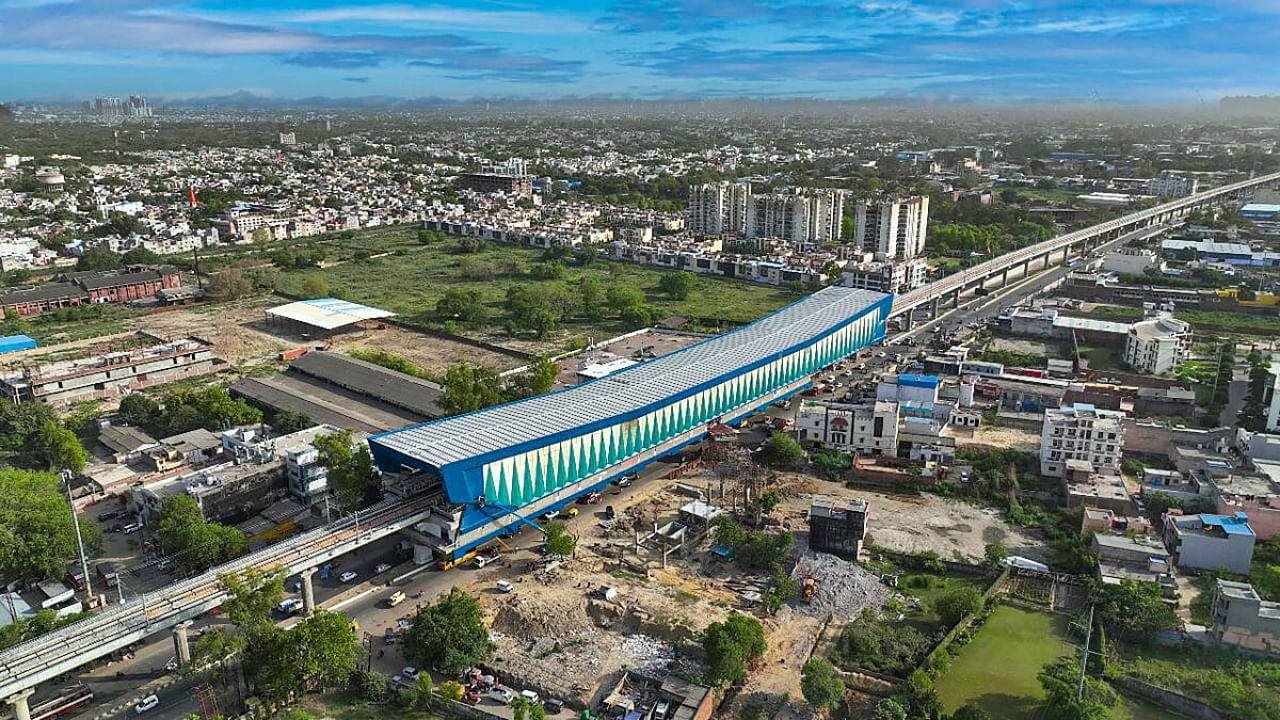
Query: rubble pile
point(647, 655)
point(844, 589)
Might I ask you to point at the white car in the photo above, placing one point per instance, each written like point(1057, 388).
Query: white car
point(149, 702)
point(530, 697)
point(410, 672)
point(501, 695)
point(347, 577)
point(552, 515)
point(381, 568)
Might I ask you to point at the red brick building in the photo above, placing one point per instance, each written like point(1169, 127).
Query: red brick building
point(80, 288)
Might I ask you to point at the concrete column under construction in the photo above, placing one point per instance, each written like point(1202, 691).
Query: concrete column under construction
point(21, 709)
point(182, 643)
point(308, 592)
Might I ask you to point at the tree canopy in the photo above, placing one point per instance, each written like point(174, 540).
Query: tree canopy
point(731, 647)
point(781, 450)
point(37, 539)
point(821, 684)
point(352, 476)
point(449, 634)
point(195, 544)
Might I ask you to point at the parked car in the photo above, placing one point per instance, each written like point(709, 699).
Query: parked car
point(505, 586)
point(109, 515)
point(501, 695)
point(290, 606)
point(530, 697)
point(661, 709)
point(150, 702)
point(553, 706)
point(396, 598)
point(551, 515)
point(131, 528)
point(347, 577)
point(381, 568)
point(389, 637)
point(625, 480)
point(410, 672)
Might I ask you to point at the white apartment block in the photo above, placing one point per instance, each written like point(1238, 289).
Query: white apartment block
point(1157, 345)
point(1272, 398)
point(800, 216)
point(892, 228)
point(1171, 185)
point(865, 428)
point(1131, 261)
point(719, 208)
point(885, 276)
point(1081, 432)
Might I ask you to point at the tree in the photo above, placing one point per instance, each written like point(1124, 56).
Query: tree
point(729, 531)
point(889, 709)
point(1060, 680)
point(327, 649)
point(621, 298)
point(769, 500)
point(1133, 611)
point(920, 697)
point(538, 379)
point(373, 685)
point(315, 286)
point(821, 684)
point(763, 552)
point(468, 388)
point(230, 284)
point(867, 642)
point(141, 256)
point(419, 695)
point(37, 539)
point(558, 540)
point(261, 235)
point(138, 409)
point(98, 259)
point(59, 449)
point(465, 304)
point(994, 555)
point(781, 451)
point(194, 544)
point(957, 603)
point(286, 422)
point(731, 647)
point(678, 285)
point(591, 296)
point(451, 690)
point(352, 476)
point(449, 634)
point(251, 597)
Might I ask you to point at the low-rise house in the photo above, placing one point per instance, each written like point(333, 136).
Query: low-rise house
point(1210, 542)
point(1243, 619)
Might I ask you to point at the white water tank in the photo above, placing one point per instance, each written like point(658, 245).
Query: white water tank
point(966, 392)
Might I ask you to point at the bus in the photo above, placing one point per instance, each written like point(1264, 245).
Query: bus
point(68, 701)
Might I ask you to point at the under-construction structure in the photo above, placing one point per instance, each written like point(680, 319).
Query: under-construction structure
point(837, 528)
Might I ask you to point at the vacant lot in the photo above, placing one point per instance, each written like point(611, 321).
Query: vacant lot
point(412, 280)
point(998, 668)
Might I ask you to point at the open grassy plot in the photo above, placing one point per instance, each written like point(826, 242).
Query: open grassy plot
point(411, 280)
point(1102, 358)
point(998, 668)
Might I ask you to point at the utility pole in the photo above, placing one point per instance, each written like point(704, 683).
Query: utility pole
point(75, 523)
point(1084, 656)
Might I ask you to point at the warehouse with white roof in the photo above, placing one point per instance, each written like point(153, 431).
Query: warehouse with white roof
point(501, 465)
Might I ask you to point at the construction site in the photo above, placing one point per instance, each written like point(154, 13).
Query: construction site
point(648, 576)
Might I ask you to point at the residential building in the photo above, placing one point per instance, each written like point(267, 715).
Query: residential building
point(908, 388)
point(886, 276)
point(494, 183)
point(719, 208)
point(1256, 495)
point(1131, 261)
point(1080, 432)
point(1126, 557)
point(865, 429)
point(1271, 398)
point(1243, 619)
point(1157, 345)
point(1168, 184)
point(803, 216)
point(1210, 542)
point(892, 228)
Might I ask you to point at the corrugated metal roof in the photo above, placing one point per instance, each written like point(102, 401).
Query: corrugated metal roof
point(328, 313)
point(467, 436)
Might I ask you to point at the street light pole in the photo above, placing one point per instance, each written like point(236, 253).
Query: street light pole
point(75, 523)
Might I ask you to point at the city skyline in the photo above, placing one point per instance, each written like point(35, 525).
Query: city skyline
point(1154, 51)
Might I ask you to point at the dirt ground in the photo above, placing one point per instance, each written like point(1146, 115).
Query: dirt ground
point(428, 352)
point(1006, 437)
point(916, 523)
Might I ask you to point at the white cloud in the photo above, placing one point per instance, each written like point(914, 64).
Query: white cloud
point(439, 16)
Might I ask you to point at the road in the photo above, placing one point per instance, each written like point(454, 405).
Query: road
point(118, 684)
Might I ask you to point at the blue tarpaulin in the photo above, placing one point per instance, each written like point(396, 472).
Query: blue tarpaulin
point(14, 343)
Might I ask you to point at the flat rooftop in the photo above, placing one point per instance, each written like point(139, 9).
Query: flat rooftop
point(327, 313)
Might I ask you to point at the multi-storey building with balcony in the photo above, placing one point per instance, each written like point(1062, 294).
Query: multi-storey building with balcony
point(1080, 432)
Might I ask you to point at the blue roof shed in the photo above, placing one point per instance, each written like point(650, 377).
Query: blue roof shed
point(13, 343)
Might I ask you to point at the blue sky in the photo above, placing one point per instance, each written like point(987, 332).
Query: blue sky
point(1177, 51)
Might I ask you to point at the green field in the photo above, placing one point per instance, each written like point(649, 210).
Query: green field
point(998, 668)
point(412, 280)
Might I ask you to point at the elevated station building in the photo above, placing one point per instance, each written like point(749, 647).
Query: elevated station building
point(506, 465)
